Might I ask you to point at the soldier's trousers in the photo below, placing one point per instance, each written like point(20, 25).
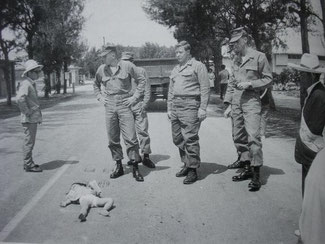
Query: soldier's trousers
point(30, 130)
point(185, 130)
point(141, 126)
point(119, 119)
point(246, 115)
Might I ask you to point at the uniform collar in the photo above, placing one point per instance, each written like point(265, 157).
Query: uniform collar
point(249, 55)
point(188, 63)
point(108, 70)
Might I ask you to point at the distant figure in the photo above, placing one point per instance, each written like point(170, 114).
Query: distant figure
point(223, 77)
point(88, 196)
point(211, 79)
point(30, 112)
point(139, 110)
point(187, 103)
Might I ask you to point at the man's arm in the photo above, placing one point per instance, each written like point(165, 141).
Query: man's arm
point(97, 84)
point(21, 99)
point(170, 96)
point(265, 71)
point(147, 90)
point(230, 90)
point(139, 79)
point(203, 79)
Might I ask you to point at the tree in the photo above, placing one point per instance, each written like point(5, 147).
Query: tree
point(9, 10)
point(58, 39)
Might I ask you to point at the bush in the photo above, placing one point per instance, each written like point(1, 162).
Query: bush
point(287, 76)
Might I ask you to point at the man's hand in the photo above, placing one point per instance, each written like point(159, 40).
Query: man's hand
point(227, 112)
point(169, 114)
point(103, 100)
point(202, 114)
point(244, 85)
point(129, 101)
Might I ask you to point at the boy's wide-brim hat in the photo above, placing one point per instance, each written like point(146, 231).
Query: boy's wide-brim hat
point(308, 63)
point(107, 50)
point(30, 65)
point(127, 56)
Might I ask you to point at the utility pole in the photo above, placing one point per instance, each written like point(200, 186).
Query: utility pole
point(103, 41)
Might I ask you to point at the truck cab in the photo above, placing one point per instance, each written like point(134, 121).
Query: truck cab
point(158, 70)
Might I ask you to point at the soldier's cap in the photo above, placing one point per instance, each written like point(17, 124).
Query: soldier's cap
point(30, 65)
point(237, 33)
point(127, 56)
point(107, 50)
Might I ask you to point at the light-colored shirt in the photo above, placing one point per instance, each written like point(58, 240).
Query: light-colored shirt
point(189, 80)
point(118, 82)
point(28, 103)
point(255, 69)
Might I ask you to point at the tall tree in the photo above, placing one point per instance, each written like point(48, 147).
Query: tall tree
point(9, 10)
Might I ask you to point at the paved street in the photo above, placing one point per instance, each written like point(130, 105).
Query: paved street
point(71, 146)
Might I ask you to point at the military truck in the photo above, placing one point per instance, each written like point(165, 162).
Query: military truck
point(158, 70)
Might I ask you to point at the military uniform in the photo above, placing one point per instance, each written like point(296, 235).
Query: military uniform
point(246, 104)
point(140, 114)
point(188, 91)
point(115, 87)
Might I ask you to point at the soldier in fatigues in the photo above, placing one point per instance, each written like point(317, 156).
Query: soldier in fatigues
point(112, 88)
point(187, 102)
point(251, 73)
point(140, 114)
point(30, 112)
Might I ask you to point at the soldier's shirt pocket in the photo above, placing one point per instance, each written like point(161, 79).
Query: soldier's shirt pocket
point(106, 78)
point(125, 80)
point(252, 72)
point(187, 75)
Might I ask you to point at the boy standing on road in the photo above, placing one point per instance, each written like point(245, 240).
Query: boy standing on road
point(140, 114)
point(187, 102)
point(112, 88)
point(30, 112)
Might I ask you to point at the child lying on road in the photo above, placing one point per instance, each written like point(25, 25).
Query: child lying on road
point(89, 196)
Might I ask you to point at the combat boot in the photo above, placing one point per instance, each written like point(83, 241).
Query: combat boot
point(245, 174)
point(183, 172)
point(147, 162)
point(255, 183)
point(118, 170)
point(191, 176)
point(136, 173)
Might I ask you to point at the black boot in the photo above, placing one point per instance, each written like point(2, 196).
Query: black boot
point(191, 176)
point(244, 175)
point(183, 172)
point(238, 164)
point(136, 173)
point(147, 162)
point(118, 170)
point(255, 183)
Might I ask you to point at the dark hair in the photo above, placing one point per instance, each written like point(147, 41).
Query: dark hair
point(184, 44)
point(223, 66)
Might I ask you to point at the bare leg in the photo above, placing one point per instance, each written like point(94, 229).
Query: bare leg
point(85, 203)
point(106, 203)
point(65, 203)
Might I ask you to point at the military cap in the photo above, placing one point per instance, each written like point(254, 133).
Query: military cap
point(237, 33)
point(127, 56)
point(107, 50)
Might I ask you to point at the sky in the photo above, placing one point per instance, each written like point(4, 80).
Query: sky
point(122, 22)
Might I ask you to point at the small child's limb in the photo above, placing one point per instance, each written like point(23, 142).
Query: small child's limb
point(106, 203)
point(85, 203)
point(65, 203)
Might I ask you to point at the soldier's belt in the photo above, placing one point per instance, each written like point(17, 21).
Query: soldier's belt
point(188, 97)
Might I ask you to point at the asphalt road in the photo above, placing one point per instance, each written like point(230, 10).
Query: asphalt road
point(72, 146)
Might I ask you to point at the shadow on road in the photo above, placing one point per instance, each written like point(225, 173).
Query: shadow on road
point(56, 164)
point(210, 168)
point(157, 106)
point(158, 157)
